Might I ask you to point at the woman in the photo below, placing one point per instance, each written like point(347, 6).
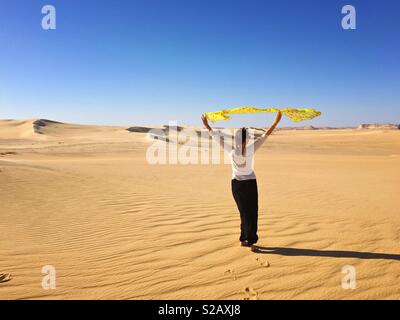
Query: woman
point(244, 183)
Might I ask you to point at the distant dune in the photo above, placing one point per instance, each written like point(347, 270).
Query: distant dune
point(44, 129)
point(306, 128)
point(49, 130)
point(314, 128)
point(14, 129)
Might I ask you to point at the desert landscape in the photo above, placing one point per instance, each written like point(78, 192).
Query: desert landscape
point(85, 200)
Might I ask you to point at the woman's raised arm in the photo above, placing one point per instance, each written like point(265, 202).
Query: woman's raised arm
point(277, 119)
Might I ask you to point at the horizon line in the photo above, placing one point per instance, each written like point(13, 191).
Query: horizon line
point(378, 124)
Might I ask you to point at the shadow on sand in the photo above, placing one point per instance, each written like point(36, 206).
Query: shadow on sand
point(5, 277)
point(324, 253)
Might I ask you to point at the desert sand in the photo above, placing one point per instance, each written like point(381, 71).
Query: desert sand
point(85, 200)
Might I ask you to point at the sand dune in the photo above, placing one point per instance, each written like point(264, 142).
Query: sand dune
point(84, 200)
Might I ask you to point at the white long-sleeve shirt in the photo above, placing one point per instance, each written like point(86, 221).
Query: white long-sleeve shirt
point(242, 165)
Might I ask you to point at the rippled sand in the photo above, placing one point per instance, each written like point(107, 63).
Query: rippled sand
point(84, 200)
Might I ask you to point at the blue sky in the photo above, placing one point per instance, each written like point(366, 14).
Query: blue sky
point(143, 62)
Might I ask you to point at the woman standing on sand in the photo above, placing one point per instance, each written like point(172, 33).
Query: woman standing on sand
point(244, 183)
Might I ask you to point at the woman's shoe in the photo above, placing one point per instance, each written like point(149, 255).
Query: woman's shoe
point(246, 243)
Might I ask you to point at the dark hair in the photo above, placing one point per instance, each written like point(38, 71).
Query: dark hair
point(244, 138)
point(244, 135)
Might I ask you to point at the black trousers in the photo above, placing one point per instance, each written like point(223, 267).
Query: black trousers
point(245, 194)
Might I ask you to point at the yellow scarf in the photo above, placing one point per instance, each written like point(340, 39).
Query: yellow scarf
point(295, 114)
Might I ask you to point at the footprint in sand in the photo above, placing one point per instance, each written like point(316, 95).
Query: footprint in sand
point(263, 263)
point(250, 294)
point(2, 154)
point(5, 277)
point(231, 272)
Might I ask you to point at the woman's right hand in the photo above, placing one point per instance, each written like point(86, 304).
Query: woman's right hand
point(205, 122)
point(278, 116)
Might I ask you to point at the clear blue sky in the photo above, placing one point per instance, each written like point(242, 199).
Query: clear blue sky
point(140, 62)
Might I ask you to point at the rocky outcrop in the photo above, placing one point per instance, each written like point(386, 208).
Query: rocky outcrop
point(41, 123)
point(380, 126)
point(307, 128)
point(139, 129)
